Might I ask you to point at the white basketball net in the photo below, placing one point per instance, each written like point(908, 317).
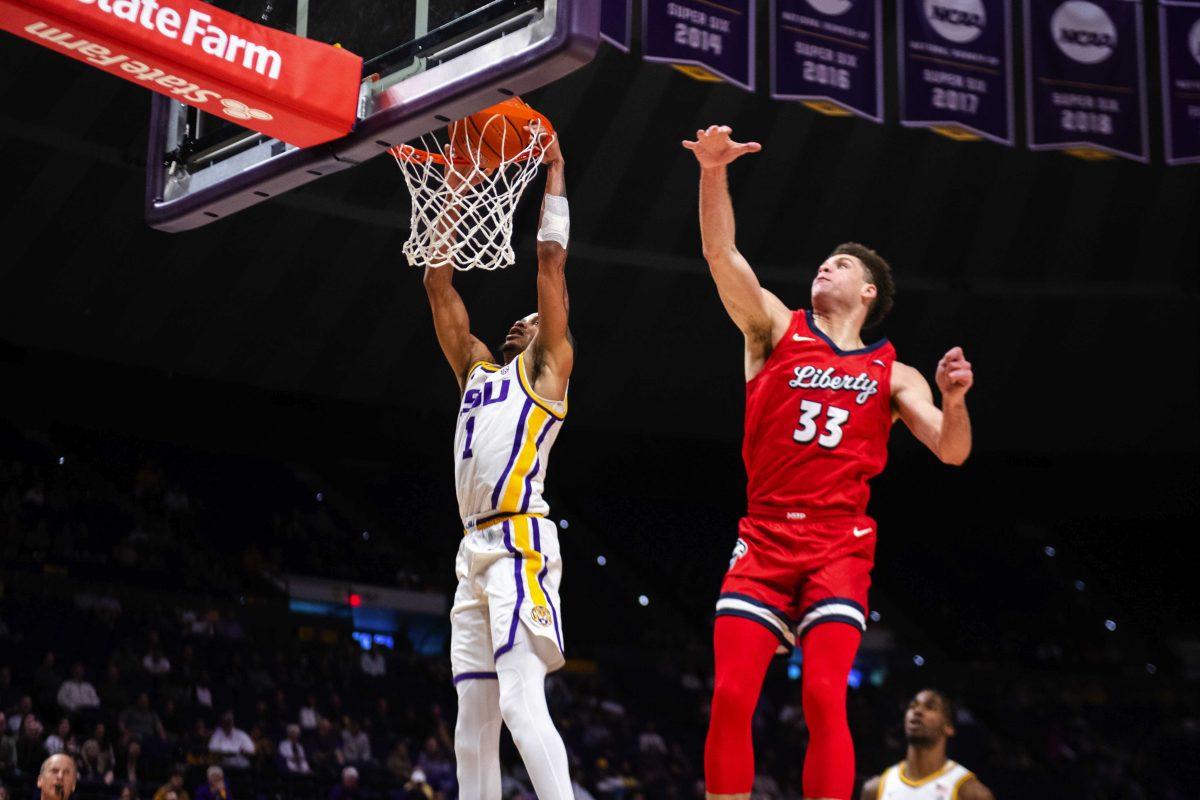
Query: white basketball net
point(462, 215)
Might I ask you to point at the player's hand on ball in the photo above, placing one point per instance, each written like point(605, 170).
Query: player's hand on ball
point(954, 375)
point(547, 142)
point(713, 146)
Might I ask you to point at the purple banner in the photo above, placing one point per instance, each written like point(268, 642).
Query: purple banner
point(616, 23)
point(716, 37)
point(956, 66)
point(829, 52)
point(1179, 30)
point(1086, 79)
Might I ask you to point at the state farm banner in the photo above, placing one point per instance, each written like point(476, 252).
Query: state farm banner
point(1086, 77)
point(1179, 33)
point(956, 66)
point(299, 91)
point(616, 23)
point(715, 38)
point(830, 54)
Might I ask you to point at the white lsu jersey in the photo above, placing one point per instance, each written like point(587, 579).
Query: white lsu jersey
point(502, 443)
point(942, 785)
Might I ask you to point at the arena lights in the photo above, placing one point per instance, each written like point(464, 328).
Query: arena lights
point(61, 461)
point(876, 616)
point(601, 560)
point(919, 660)
point(643, 601)
point(354, 599)
point(562, 523)
point(1080, 586)
point(1110, 624)
point(320, 497)
point(1151, 669)
point(366, 536)
point(794, 672)
point(1050, 551)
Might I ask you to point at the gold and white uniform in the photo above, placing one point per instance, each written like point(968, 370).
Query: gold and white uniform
point(941, 785)
point(508, 565)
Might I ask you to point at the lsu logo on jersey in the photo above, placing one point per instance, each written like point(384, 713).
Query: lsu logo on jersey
point(740, 549)
point(496, 392)
point(541, 615)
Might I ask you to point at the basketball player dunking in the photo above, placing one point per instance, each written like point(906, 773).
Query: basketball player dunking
point(819, 406)
point(926, 773)
point(506, 622)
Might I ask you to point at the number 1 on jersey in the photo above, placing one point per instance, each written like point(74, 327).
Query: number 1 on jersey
point(470, 434)
point(806, 429)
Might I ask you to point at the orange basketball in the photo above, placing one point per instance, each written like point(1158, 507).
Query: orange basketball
point(497, 134)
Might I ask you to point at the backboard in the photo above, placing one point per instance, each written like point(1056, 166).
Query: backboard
point(425, 63)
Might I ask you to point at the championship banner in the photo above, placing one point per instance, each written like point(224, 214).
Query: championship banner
point(956, 68)
point(1085, 84)
point(1179, 31)
point(299, 91)
point(616, 23)
point(706, 39)
point(829, 54)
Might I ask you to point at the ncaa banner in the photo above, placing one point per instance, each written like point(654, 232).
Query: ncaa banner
point(616, 23)
point(956, 68)
point(1179, 31)
point(829, 54)
point(710, 40)
point(1085, 87)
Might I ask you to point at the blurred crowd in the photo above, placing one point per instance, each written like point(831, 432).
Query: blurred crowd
point(149, 647)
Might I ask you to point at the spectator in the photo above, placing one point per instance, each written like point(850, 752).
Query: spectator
point(30, 750)
point(140, 722)
point(155, 663)
point(264, 748)
point(308, 714)
point(61, 740)
point(232, 744)
point(356, 745)
point(129, 767)
point(292, 753)
point(326, 754)
point(372, 663)
point(8, 747)
point(651, 742)
point(214, 788)
point(195, 745)
point(96, 761)
point(399, 765)
point(173, 786)
point(57, 777)
point(417, 788)
point(203, 692)
point(77, 694)
point(348, 789)
point(127, 793)
point(47, 680)
point(17, 715)
point(3, 792)
point(113, 694)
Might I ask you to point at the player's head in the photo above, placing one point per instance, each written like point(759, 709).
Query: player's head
point(929, 719)
point(854, 277)
point(57, 778)
point(520, 336)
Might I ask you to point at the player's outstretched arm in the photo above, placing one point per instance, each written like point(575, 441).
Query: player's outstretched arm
point(870, 790)
point(760, 315)
point(974, 789)
point(553, 352)
point(947, 430)
point(452, 324)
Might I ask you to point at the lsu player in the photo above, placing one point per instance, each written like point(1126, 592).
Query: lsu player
point(820, 404)
point(926, 773)
point(506, 622)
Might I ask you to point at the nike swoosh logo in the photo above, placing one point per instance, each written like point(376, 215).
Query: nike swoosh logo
point(877, 361)
point(798, 338)
point(861, 532)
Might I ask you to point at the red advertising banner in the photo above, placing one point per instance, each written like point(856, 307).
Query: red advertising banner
point(293, 89)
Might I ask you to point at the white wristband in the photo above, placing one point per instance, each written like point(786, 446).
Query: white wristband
point(556, 221)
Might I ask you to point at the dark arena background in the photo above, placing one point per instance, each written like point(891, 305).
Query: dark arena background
point(225, 454)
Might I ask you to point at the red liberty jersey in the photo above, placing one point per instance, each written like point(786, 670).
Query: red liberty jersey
point(817, 424)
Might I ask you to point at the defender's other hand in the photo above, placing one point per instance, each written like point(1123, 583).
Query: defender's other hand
point(713, 147)
point(954, 375)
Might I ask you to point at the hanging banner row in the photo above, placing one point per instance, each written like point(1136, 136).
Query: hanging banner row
point(1085, 87)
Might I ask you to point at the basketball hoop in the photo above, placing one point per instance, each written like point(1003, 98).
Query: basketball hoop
point(465, 190)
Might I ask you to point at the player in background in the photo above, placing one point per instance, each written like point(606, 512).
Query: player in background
point(506, 623)
point(926, 773)
point(819, 408)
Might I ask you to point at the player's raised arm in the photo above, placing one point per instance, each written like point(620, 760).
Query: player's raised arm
point(760, 315)
point(946, 430)
point(450, 319)
point(553, 353)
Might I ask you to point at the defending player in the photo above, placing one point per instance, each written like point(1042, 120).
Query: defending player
point(819, 406)
point(506, 623)
point(926, 773)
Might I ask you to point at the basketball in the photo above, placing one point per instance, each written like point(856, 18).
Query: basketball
point(497, 134)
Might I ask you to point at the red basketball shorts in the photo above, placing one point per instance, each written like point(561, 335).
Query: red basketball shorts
point(792, 575)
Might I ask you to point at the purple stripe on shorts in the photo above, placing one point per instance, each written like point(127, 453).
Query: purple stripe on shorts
point(467, 676)
point(537, 465)
point(537, 544)
point(513, 457)
point(516, 619)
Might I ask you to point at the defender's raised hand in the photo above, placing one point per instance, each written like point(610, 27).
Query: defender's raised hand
point(713, 146)
point(954, 375)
